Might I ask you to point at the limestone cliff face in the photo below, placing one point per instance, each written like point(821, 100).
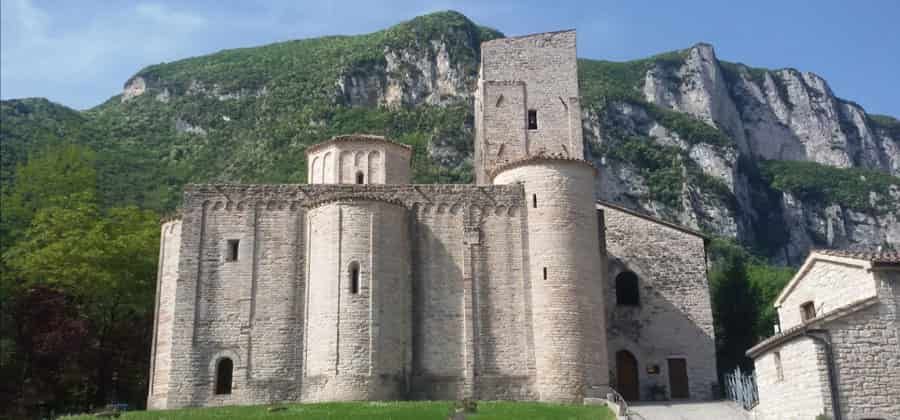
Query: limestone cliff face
point(628, 182)
point(834, 226)
point(781, 114)
point(768, 115)
point(652, 154)
point(407, 77)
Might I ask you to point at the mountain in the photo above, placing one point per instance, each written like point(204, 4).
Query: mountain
point(770, 157)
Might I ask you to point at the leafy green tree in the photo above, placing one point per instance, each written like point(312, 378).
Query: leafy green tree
point(101, 263)
point(767, 281)
point(734, 307)
point(743, 288)
point(107, 263)
point(57, 176)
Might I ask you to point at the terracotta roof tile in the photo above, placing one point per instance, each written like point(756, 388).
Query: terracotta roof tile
point(878, 257)
point(357, 138)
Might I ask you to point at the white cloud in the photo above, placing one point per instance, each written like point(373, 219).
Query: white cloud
point(63, 53)
point(161, 14)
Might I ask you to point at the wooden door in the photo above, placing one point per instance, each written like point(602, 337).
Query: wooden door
point(678, 379)
point(627, 376)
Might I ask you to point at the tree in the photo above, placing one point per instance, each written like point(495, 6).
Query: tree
point(51, 178)
point(743, 288)
point(767, 282)
point(102, 263)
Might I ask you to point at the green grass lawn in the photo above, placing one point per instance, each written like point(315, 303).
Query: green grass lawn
point(411, 410)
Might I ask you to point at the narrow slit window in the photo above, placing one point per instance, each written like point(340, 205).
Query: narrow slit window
point(224, 370)
point(233, 246)
point(360, 178)
point(354, 278)
point(532, 119)
point(534, 200)
point(779, 371)
point(545, 273)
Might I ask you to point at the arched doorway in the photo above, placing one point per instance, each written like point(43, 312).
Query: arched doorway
point(627, 376)
point(224, 370)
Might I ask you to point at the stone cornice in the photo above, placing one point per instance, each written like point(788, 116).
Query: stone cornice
point(351, 198)
point(549, 158)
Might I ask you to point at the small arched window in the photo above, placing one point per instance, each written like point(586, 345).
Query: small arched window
point(224, 370)
point(354, 277)
point(534, 200)
point(627, 291)
point(360, 178)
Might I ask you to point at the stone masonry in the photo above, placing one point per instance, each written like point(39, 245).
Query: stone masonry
point(854, 333)
point(674, 318)
point(361, 286)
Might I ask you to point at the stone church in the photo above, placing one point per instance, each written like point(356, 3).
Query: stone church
point(362, 286)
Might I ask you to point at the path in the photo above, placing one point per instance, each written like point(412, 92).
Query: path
point(693, 410)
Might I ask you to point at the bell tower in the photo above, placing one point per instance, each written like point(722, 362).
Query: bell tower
point(526, 102)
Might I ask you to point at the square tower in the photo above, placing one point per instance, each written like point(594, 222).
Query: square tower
point(526, 102)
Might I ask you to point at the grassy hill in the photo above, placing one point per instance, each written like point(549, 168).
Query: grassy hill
point(490, 410)
point(247, 115)
point(256, 109)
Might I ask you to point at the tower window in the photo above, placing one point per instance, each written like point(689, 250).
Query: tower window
point(233, 245)
point(354, 278)
point(532, 119)
point(808, 311)
point(545, 273)
point(534, 200)
point(224, 370)
point(627, 292)
point(360, 178)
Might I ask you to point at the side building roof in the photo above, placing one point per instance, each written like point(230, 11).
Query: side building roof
point(864, 260)
point(654, 219)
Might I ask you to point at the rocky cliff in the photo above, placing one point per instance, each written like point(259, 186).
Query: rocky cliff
point(761, 116)
point(730, 149)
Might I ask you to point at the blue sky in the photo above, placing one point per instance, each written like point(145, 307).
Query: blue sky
point(79, 53)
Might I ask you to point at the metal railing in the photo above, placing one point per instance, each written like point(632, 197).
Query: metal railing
point(741, 388)
point(619, 400)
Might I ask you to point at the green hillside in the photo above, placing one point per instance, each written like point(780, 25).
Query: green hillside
point(247, 115)
point(258, 108)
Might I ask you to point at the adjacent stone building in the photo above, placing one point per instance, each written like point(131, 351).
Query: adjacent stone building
point(839, 350)
point(362, 286)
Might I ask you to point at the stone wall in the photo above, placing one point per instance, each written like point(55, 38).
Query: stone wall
point(467, 291)
point(801, 391)
point(380, 162)
point(829, 285)
point(357, 336)
point(674, 318)
point(863, 330)
point(563, 259)
point(160, 360)
point(251, 310)
point(867, 355)
point(536, 72)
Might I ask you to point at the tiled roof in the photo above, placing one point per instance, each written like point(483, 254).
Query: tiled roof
point(877, 257)
point(810, 324)
point(357, 138)
point(537, 158)
point(654, 219)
